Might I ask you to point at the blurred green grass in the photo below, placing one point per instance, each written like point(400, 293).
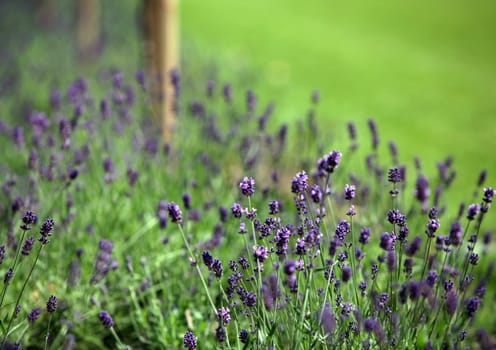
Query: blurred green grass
point(424, 70)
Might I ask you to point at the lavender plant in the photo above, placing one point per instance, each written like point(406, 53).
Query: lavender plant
point(249, 239)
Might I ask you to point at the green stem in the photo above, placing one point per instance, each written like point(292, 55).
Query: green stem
point(197, 268)
point(20, 296)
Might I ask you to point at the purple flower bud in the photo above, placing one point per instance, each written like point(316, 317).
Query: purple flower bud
point(243, 336)
point(414, 246)
point(488, 195)
point(28, 219)
point(387, 241)
point(364, 235)
point(394, 175)
point(46, 231)
point(34, 315)
point(190, 341)
point(346, 273)
point(473, 210)
point(52, 304)
point(247, 186)
point(349, 192)
point(224, 316)
point(299, 183)
point(237, 210)
point(106, 319)
point(473, 305)
point(391, 260)
point(451, 302)
point(27, 246)
point(175, 213)
point(373, 131)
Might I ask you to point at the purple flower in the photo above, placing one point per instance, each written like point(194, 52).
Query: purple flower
point(387, 241)
point(422, 191)
point(369, 325)
point(289, 267)
point(28, 219)
point(346, 273)
point(227, 93)
point(46, 231)
point(243, 336)
point(349, 192)
point(27, 246)
point(391, 260)
point(106, 319)
point(247, 186)
point(414, 246)
point(451, 302)
point(34, 315)
point(274, 207)
point(251, 100)
point(220, 334)
point(394, 175)
point(52, 304)
point(175, 213)
point(343, 229)
point(237, 210)
point(260, 253)
point(473, 210)
point(299, 183)
point(473, 305)
point(3, 251)
point(432, 227)
point(329, 162)
point(373, 131)
point(364, 235)
point(432, 278)
point(224, 315)
point(474, 258)
point(414, 290)
point(316, 193)
point(8, 275)
point(103, 260)
point(455, 237)
point(488, 195)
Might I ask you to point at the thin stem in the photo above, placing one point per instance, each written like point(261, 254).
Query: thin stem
point(48, 331)
point(20, 296)
point(197, 268)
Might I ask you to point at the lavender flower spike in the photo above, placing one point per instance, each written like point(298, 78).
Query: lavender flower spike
point(106, 319)
point(175, 213)
point(247, 186)
point(190, 341)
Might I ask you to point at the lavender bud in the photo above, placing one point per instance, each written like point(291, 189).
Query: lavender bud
point(27, 246)
point(34, 315)
point(394, 175)
point(373, 131)
point(52, 304)
point(349, 192)
point(106, 319)
point(190, 341)
point(473, 210)
point(247, 186)
point(46, 231)
point(175, 213)
point(473, 305)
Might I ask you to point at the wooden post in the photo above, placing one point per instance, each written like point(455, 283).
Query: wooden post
point(88, 28)
point(162, 53)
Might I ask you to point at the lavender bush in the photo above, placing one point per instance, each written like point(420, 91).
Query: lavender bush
point(255, 237)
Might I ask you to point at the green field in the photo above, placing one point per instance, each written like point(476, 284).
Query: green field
point(424, 70)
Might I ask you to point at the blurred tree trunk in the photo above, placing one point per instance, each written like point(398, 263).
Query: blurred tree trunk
point(88, 28)
point(162, 56)
point(46, 13)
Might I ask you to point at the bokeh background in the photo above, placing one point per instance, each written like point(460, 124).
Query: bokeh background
point(423, 70)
